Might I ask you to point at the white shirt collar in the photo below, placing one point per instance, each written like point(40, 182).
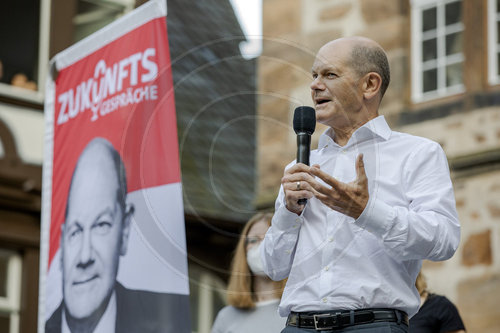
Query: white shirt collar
point(106, 323)
point(375, 127)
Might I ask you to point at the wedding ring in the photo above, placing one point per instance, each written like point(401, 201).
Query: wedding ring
point(298, 186)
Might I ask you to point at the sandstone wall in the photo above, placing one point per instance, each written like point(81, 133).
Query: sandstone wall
point(472, 277)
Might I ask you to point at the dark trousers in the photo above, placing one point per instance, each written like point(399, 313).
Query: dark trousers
point(380, 327)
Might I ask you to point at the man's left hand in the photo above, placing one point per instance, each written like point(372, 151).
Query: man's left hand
point(347, 198)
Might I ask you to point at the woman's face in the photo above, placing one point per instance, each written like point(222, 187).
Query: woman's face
point(256, 234)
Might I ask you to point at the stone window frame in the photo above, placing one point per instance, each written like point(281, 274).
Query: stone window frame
point(206, 290)
point(493, 42)
point(43, 59)
point(10, 304)
point(442, 60)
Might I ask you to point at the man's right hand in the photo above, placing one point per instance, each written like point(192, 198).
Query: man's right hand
point(296, 184)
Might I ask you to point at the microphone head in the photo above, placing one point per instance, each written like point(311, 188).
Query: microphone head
point(304, 120)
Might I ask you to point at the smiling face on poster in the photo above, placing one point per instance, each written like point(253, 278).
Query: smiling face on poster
point(96, 228)
point(116, 249)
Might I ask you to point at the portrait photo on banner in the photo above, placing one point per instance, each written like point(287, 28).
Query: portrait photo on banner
point(116, 246)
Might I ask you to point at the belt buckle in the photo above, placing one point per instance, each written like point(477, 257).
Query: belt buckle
point(335, 321)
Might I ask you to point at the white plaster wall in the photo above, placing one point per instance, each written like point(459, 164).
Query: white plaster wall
point(27, 126)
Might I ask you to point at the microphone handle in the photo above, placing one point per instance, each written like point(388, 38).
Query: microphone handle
point(303, 152)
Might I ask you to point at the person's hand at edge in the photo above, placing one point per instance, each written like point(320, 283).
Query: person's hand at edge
point(296, 183)
point(347, 198)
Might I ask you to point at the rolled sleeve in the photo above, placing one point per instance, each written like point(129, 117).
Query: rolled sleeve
point(376, 217)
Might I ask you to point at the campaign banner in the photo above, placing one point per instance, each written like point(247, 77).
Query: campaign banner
point(113, 244)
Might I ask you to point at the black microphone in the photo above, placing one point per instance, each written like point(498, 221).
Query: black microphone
point(304, 124)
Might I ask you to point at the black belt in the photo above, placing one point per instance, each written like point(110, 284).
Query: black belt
point(338, 319)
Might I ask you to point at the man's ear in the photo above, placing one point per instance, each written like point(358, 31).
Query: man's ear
point(127, 217)
point(371, 85)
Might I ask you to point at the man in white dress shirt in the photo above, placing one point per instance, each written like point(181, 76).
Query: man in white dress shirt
point(379, 202)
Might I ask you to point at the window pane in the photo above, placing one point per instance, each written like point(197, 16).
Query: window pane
point(4, 322)
point(94, 15)
point(194, 301)
point(430, 80)
point(4, 261)
point(498, 31)
point(218, 304)
point(429, 49)
point(19, 27)
point(498, 6)
point(498, 63)
point(453, 12)
point(454, 43)
point(453, 74)
point(429, 19)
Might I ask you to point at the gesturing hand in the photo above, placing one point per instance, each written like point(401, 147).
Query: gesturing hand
point(347, 198)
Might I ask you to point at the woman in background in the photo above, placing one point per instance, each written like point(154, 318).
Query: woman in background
point(253, 298)
point(436, 314)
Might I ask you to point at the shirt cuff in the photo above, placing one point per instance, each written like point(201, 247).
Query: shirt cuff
point(286, 220)
point(376, 217)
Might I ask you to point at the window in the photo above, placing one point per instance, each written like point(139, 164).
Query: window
point(24, 36)
point(10, 291)
point(437, 44)
point(494, 41)
point(24, 40)
point(93, 15)
point(207, 297)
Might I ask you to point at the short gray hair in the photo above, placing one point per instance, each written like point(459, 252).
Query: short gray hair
point(366, 59)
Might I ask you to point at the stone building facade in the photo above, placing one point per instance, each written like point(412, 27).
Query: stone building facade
point(462, 114)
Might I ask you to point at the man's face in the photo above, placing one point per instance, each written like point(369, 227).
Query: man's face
point(93, 236)
point(335, 89)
